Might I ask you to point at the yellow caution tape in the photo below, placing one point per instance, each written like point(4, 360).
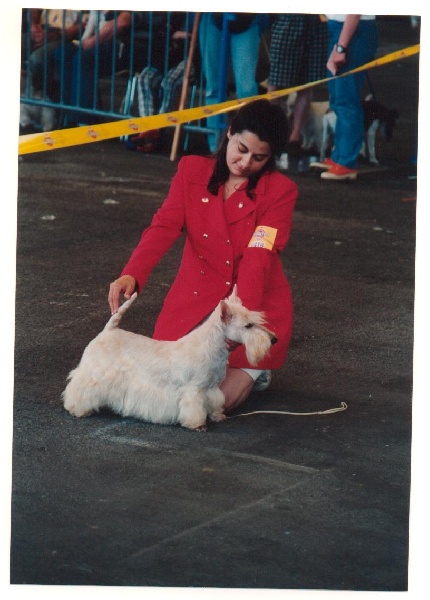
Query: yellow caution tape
point(62, 138)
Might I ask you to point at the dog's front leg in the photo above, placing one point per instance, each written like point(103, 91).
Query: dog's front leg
point(328, 125)
point(192, 413)
point(324, 144)
point(371, 142)
point(215, 401)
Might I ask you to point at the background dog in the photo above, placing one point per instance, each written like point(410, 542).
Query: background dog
point(377, 119)
point(312, 130)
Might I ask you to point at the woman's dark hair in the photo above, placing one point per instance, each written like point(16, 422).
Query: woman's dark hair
point(269, 123)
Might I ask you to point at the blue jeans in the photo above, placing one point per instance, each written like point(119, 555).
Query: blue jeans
point(345, 92)
point(244, 50)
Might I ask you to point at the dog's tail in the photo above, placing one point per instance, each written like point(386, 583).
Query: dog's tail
point(116, 318)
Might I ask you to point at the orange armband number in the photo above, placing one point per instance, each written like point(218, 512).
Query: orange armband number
point(263, 237)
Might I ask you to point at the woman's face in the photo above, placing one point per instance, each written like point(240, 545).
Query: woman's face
point(246, 153)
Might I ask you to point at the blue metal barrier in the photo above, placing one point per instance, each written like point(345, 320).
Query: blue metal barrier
point(57, 75)
point(146, 43)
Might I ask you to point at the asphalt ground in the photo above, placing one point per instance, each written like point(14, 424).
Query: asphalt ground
point(261, 502)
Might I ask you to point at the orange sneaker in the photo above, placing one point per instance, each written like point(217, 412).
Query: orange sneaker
point(339, 172)
point(326, 164)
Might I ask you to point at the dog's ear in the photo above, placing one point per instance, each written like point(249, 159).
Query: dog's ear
point(226, 315)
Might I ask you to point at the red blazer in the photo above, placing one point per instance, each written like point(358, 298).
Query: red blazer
point(226, 243)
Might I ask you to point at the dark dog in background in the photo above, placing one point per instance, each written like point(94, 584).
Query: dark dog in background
point(377, 119)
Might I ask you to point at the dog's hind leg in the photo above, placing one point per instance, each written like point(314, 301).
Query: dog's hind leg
point(192, 413)
point(80, 398)
point(215, 401)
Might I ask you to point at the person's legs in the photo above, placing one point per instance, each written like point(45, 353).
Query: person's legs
point(345, 93)
point(244, 58)
point(317, 48)
point(345, 100)
point(287, 51)
point(301, 108)
point(210, 48)
point(236, 388)
point(298, 55)
point(314, 58)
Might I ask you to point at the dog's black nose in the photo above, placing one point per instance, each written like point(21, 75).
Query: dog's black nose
point(274, 340)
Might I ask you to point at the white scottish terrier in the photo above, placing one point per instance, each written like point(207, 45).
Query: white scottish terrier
point(161, 381)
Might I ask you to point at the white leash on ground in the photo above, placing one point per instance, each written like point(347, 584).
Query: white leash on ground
point(329, 411)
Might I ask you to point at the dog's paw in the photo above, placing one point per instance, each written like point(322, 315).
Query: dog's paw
point(195, 426)
point(201, 428)
point(76, 411)
point(217, 417)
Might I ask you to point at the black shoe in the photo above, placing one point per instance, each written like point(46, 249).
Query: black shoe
point(295, 150)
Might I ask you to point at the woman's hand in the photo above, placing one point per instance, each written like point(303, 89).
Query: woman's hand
point(124, 285)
